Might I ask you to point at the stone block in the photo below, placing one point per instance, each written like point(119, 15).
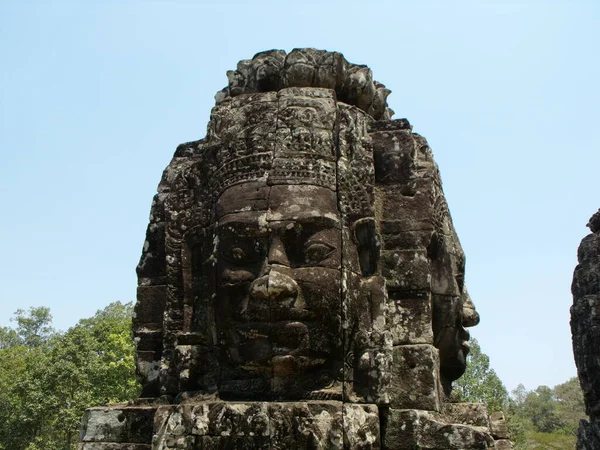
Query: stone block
point(407, 240)
point(415, 378)
point(367, 340)
point(152, 262)
point(406, 270)
point(176, 443)
point(286, 201)
point(237, 198)
point(232, 443)
point(148, 340)
point(118, 424)
point(302, 425)
point(273, 425)
point(390, 125)
point(409, 317)
point(306, 107)
point(498, 426)
point(394, 155)
point(112, 446)
point(503, 444)
point(149, 309)
point(409, 206)
point(419, 430)
point(361, 427)
point(475, 414)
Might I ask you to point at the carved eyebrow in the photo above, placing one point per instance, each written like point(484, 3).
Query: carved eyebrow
point(324, 222)
point(248, 221)
point(256, 219)
point(241, 232)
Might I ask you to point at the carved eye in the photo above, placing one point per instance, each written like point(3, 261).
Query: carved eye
point(316, 252)
point(240, 253)
point(237, 254)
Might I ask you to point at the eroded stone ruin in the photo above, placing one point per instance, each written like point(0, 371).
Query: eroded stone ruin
point(585, 328)
point(301, 285)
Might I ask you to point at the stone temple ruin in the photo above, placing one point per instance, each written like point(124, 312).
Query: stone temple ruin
point(301, 285)
point(585, 327)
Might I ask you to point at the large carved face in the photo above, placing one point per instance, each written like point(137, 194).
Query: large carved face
point(453, 311)
point(278, 289)
point(451, 318)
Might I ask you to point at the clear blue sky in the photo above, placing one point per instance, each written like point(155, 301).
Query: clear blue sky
point(95, 96)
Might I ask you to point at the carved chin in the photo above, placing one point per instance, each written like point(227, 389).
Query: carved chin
point(453, 368)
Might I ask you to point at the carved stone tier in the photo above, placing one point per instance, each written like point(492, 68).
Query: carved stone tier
point(281, 425)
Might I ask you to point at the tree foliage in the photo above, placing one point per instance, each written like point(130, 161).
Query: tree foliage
point(34, 328)
point(49, 378)
point(570, 405)
point(480, 384)
point(542, 418)
point(549, 416)
point(540, 407)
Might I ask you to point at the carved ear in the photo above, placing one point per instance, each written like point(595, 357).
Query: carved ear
point(367, 245)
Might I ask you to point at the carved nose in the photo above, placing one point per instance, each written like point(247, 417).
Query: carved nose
point(274, 286)
point(277, 253)
point(470, 314)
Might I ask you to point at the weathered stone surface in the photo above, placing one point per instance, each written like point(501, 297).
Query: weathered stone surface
point(290, 425)
point(585, 328)
point(498, 426)
point(414, 429)
point(415, 378)
point(299, 150)
point(118, 424)
point(503, 444)
point(475, 414)
point(361, 427)
point(112, 446)
point(588, 435)
point(306, 67)
point(300, 276)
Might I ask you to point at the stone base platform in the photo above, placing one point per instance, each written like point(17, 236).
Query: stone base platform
point(212, 425)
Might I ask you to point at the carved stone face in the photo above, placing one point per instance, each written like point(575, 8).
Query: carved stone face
point(453, 312)
point(278, 289)
point(451, 318)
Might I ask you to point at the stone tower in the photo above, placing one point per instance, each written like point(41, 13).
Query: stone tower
point(585, 328)
point(301, 285)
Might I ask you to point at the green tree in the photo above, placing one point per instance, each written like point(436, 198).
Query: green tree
point(21, 349)
point(540, 407)
point(570, 405)
point(34, 327)
point(13, 420)
point(549, 416)
point(49, 385)
point(480, 384)
point(8, 338)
